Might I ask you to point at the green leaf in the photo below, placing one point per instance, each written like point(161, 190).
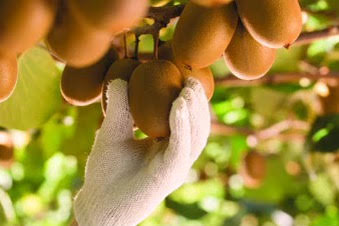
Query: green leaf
point(323, 190)
point(265, 101)
point(193, 193)
point(324, 134)
point(37, 95)
point(330, 218)
point(319, 50)
point(80, 143)
point(191, 211)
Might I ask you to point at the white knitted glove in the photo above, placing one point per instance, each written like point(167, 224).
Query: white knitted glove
point(126, 179)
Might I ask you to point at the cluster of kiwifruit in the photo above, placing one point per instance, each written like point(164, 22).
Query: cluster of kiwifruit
point(206, 30)
point(209, 28)
point(153, 86)
point(78, 31)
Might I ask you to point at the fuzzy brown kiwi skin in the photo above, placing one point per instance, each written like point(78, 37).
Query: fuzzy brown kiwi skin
point(112, 16)
point(204, 75)
point(246, 58)
point(152, 89)
point(8, 76)
point(120, 69)
point(274, 24)
point(76, 43)
point(6, 149)
point(253, 169)
point(24, 22)
point(83, 86)
point(202, 34)
point(211, 3)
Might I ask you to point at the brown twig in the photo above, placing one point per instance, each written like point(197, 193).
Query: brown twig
point(166, 12)
point(222, 129)
point(280, 127)
point(255, 136)
point(282, 78)
point(310, 37)
point(162, 16)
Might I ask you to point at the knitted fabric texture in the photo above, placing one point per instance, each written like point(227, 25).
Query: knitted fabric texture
point(126, 179)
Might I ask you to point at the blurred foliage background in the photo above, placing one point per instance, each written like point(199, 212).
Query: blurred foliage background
point(271, 159)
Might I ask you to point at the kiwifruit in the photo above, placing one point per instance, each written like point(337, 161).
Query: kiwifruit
point(77, 44)
point(24, 22)
point(246, 58)
point(253, 169)
point(211, 3)
point(152, 89)
point(83, 86)
point(202, 34)
point(110, 15)
point(122, 69)
point(8, 76)
point(6, 149)
point(204, 75)
point(274, 24)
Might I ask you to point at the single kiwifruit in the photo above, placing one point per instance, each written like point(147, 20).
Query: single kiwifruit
point(246, 58)
point(111, 16)
point(152, 89)
point(274, 24)
point(24, 22)
point(77, 44)
point(8, 76)
point(202, 34)
point(204, 75)
point(253, 169)
point(6, 149)
point(211, 3)
point(83, 86)
point(122, 69)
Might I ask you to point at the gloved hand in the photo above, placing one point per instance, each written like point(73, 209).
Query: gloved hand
point(126, 179)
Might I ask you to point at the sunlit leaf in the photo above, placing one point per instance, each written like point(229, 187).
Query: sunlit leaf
point(37, 94)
